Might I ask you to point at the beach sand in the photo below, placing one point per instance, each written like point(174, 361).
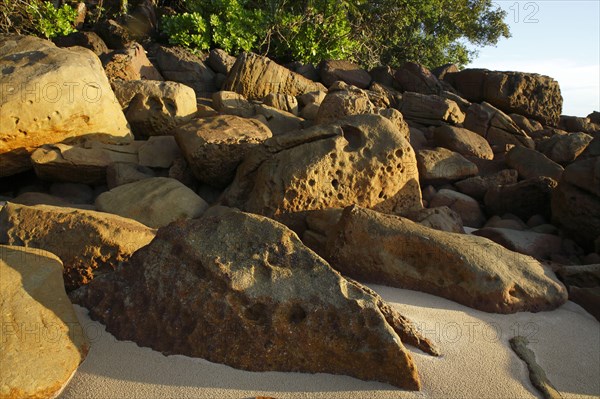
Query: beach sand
point(477, 361)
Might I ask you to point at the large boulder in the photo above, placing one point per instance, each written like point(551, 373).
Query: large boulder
point(50, 95)
point(88, 243)
point(531, 163)
point(532, 95)
point(254, 77)
point(442, 165)
point(155, 202)
point(495, 126)
point(129, 64)
point(386, 249)
point(524, 199)
point(430, 110)
point(214, 147)
point(42, 341)
point(243, 290)
point(343, 100)
point(180, 65)
point(362, 159)
point(477, 186)
point(538, 245)
point(331, 71)
point(468, 208)
point(416, 78)
point(564, 148)
point(463, 141)
point(232, 103)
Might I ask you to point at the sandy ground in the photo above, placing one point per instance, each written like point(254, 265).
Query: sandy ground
point(476, 361)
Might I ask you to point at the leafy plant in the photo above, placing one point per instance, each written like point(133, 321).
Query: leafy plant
point(187, 29)
point(50, 21)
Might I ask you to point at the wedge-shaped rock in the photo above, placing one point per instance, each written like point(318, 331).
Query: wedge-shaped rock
point(474, 271)
point(430, 109)
point(497, 127)
point(243, 290)
point(42, 341)
point(361, 159)
point(88, 243)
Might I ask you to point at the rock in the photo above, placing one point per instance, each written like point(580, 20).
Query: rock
point(331, 71)
point(220, 61)
point(114, 34)
point(159, 152)
point(360, 159)
point(585, 174)
point(155, 108)
point(524, 199)
point(430, 110)
point(564, 149)
point(391, 97)
point(88, 243)
point(594, 117)
point(466, 207)
point(441, 71)
point(254, 77)
point(180, 65)
point(35, 306)
point(279, 122)
point(532, 95)
point(477, 186)
point(313, 97)
point(397, 119)
point(416, 78)
point(387, 249)
point(214, 147)
point(536, 220)
point(526, 124)
point(497, 222)
point(75, 193)
point(583, 283)
point(495, 126)
point(310, 112)
point(308, 71)
point(232, 103)
point(155, 202)
point(439, 218)
point(578, 124)
point(347, 101)
point(540, 246)
point(463, 141)
point(382, 74)
point(442, 165)
point(587, 298)
point(34, 198)
point(246, 292)
point(283, 102)
point(531, 164)
point(89, 40)
point(83, 163)
point(120, 173)
point(51, 95)
point(129, 64)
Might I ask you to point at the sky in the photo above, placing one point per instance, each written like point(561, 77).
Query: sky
point(558, 38)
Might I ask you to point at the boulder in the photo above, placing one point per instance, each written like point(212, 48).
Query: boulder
point(495, 126)
point(532, 95)
point(283, 102)
point(75, 193)
point(155, 202)
point(343, 100)
point(477, 186)
point(430, 110)
point(155, 108)
point(129, 64)
point(35, 198)
point(382, 74)
point(180, 65)
point(254, 77)
point(471, 270)
point(578, 124)
point(538, 245)
point(82, 163)
point(214, 147)
point(583, 283)
point(114, 34)
point(88, 243)
point(416, 78)
point(243, 290)
point(42, 341)
point(331, 71)
point(439, 218)
point(120, 173)
point(441, 165)
point(89, 40)
point(441, 71)
point(278, 121)
point(524, 199)
point(220, 61)
point(466, 207)
point(159, 152)
point(360, 159)
point(50, 95)
point(564, 149)
point(526, 124)
point(463, 141)
point(530, 164)
point(232, 103)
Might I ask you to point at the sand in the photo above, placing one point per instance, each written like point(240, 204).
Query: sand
point(477, 361)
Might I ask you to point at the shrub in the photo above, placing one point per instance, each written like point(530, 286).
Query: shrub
point(187, 29)
point(50, 21)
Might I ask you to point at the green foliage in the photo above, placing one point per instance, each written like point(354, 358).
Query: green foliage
point(187, 29)
point(50, 21)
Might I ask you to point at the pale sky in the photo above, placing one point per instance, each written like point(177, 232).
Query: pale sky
point(557, 38)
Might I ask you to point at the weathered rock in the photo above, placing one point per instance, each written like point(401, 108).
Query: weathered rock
point(179, 65)
point(442, 165)
point(416, 78)
point(220, 61)
point(232, 103)
point(382, 74)
point(50, 95)
point(397, 119)
point(278, 121)
point(343, 100)
point(254, 77)
point(114, 34)
point(578, 124)
point(497, 127)
point(532, 95)
point(155, 108)
point(120, 173)
point(214, 147)
point(564, 149)
point(89, 40)
point(530, 164)
point(594, 117)
point(469, 210)
point(88, 243)
point(84, 163)
point(129, 64)
point(283, 102)
point(42, 341)
point(512, 224)
point(159, 152)
point(528, 125)
point(391, 97)
point(75, 193)
point(476, 272)
point(310, 111)
point(246, 292)
point(585, 174)
point(315, 97)
point(360, 159)
point(430, 110)
point(584, 276)
point(540, 246)
point(477, 186)
point(463, 141)
point(155, 202)
point(331, 71)
point(35, 198)
point(524, 199)
point(439, 218)
point(441, 71)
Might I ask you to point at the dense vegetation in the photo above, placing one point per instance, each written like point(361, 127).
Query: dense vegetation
point(430, 32)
